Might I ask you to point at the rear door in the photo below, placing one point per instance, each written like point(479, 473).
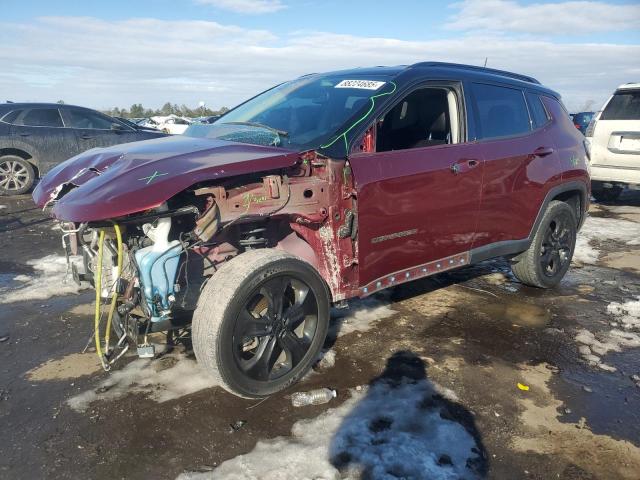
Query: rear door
point(616, 137)
point(520, 161)
point(40, 132)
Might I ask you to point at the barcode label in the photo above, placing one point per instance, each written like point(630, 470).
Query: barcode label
point(362, 84)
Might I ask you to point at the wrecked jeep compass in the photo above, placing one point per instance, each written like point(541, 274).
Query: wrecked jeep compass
point(321, 189)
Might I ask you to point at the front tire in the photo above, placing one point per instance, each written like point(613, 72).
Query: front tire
point(260, 322)
point(16, 175)
point(548, 258)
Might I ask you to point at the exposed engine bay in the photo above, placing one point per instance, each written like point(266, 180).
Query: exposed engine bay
point(148, 269)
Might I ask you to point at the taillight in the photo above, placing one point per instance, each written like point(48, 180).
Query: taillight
point(591, 127)
point(577, 126)
point(587, 147)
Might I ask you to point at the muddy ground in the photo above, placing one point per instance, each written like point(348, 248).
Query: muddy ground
point(544, 384)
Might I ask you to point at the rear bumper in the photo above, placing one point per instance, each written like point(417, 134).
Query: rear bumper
point(606, 173)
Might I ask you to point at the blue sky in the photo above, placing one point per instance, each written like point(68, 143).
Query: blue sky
point(117, 52)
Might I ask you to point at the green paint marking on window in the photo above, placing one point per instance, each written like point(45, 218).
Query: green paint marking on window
point(153, 176)
point(360, 120)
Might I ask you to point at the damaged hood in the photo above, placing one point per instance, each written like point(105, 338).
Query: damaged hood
point(105, 183)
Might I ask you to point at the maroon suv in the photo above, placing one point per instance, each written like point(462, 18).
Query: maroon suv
point(321, 189)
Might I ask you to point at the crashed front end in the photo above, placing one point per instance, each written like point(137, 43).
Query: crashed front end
point(150, 234)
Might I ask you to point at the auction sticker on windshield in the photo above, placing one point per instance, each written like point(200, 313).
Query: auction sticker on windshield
point(363, 84)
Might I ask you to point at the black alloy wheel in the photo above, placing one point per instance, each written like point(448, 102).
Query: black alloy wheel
point(555, 251)
point(261, 321)
point(275, 328)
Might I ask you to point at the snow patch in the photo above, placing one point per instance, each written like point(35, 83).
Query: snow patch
point(149, 377)
point(386, 431)
point(361, 316)
point(50, 279)
point(327, 360)
point(629, 312)
point(596, 346)
point(596, 229)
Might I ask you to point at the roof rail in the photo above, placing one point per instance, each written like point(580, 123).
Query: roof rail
point(476, 68)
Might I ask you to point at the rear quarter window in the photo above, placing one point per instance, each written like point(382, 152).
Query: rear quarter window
point(502, 111)
point(12, 116)
point(624, 105)
point(539, 115)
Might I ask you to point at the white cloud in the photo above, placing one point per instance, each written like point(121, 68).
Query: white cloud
point(562, 18)
point(252, 7)
point(101, 63)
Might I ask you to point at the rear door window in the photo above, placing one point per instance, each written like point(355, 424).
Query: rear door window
point(539, 115)
point(624, 105)
point(41, 117)
point(87, 119)
point(502, 111)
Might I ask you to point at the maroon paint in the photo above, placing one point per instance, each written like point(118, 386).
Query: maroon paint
point(402, 190)
point(569, 144)
point(518, 173)
point(113, 182)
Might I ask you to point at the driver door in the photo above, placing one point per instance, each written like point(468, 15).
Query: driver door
point(419, 192)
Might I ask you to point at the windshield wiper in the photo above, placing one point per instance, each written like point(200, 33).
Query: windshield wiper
point(281, 133)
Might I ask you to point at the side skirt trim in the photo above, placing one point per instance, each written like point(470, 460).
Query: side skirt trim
point(413, 273)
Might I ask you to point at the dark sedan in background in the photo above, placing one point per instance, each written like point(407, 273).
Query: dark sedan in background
point(35, 137)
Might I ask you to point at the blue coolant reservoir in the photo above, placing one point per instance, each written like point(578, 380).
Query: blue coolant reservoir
point(158, 265)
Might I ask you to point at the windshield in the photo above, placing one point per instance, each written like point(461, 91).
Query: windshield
point(301, 114)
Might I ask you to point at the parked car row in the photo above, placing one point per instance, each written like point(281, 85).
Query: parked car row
point(35, 137)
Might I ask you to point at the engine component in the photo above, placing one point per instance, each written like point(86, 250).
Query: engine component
point(208, 224)
point(158, 265)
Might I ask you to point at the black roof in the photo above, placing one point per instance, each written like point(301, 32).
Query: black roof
point(449, 71)
point(16, 105)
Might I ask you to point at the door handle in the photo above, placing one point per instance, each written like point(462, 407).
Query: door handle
point(464, 165)
point(542, 151)
point(86, 137)
point(25, 134)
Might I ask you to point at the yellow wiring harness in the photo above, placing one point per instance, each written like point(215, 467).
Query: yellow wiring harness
point(114, 299)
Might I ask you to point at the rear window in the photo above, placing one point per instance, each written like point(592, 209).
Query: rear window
point(502, 111)
point(42, 117)
point(539, 115)
point(624, 105)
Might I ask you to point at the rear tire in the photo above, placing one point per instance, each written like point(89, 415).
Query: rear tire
point(549, 256)
point(260, 322)
point(16, 175)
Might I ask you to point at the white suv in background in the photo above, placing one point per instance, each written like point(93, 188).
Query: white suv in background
point(614, 139)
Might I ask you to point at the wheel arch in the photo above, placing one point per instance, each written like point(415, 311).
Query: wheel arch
point(23, 154)
point(575, 189)
point(575, 199)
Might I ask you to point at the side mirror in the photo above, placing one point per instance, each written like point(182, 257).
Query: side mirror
point(117, 127)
